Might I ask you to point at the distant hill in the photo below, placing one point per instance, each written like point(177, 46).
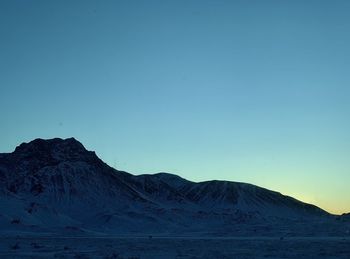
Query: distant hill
point(345, 217)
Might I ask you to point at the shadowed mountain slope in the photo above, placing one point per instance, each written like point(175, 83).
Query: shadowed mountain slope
point(57, 184)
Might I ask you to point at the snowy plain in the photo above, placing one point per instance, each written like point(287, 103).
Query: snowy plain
point(174, 247)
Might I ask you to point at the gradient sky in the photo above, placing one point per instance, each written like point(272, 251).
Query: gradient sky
point(251, 91)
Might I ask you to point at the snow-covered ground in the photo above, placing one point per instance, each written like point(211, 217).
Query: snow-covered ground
point(174, 247)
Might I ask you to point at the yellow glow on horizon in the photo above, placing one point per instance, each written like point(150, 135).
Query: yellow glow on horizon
point(332, 208)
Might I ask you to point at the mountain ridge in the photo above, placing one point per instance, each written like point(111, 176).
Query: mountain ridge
point(68, 184)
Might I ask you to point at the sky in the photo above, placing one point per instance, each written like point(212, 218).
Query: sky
point(249, 91)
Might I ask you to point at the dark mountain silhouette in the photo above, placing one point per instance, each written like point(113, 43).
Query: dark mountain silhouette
point(57, 184)
point(344, 217)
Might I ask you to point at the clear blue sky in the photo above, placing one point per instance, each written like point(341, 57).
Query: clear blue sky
point(252, 91)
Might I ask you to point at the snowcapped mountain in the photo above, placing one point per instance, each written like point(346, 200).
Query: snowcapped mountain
point(55, 185)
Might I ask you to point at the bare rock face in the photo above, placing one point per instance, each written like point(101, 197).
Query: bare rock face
point(53, 151)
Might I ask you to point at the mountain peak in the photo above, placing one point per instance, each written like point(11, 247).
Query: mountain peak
point(56, 148)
